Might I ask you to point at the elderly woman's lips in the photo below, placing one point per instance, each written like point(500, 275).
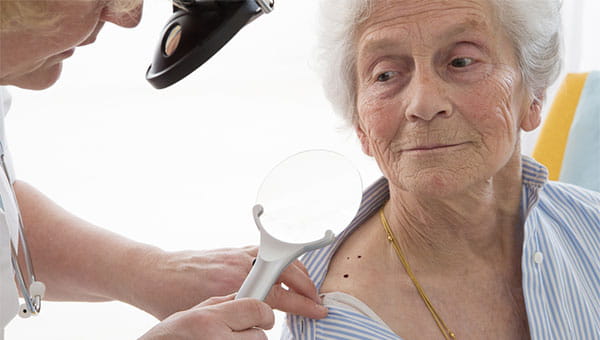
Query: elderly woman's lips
point(432, 147)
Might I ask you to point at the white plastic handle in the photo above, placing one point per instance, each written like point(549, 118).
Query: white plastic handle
point(261, 278)
point(273, 257)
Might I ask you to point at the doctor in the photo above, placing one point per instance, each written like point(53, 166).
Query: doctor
point(81, 262)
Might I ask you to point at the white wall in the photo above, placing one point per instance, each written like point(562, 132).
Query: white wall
point(177, 168)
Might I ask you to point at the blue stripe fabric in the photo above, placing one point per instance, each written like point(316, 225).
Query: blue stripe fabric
point(581, 162)
point(562, 291)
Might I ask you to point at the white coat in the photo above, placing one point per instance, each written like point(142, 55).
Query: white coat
point(9, 298)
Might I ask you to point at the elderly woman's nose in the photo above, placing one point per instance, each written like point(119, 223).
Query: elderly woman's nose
point(426, 98)
point(128, 18)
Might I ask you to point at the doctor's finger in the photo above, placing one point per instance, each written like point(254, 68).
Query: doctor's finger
point(250, 334)
point(291, 302)
point(300, 266)
point(244, 314)
point(251, 250)
point(296, 278)
point(216, 300)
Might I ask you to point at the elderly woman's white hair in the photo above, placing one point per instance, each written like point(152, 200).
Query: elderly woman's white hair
point(533, 25)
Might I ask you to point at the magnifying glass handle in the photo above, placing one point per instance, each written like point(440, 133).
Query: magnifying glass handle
point(261, 278)
point(273, 256)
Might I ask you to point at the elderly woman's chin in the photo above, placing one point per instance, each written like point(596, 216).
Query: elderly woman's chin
point(436, 181)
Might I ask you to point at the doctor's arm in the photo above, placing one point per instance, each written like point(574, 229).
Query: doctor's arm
point(81, 262)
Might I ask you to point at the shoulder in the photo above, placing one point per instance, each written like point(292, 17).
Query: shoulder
point(317, 261)
point(569, 216)
point(564, 196)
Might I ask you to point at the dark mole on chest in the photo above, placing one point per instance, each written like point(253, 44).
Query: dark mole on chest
point(346, 275)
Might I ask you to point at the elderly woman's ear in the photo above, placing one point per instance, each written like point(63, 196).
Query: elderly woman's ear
point(533, 117)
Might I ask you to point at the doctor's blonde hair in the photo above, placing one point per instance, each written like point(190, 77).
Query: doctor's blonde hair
point(19, 14)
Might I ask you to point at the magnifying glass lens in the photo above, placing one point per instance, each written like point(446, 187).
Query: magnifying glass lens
point(302, 204)
point(309, 193)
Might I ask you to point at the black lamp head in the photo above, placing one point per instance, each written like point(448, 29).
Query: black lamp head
point(195, 32)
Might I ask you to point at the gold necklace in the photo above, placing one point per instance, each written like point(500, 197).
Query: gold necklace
point(448, 334)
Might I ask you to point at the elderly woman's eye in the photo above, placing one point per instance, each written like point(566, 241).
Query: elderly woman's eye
point(385, 76)
point(461, 62)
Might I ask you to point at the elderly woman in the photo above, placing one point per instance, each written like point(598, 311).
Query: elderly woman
point(463, 237)
point(78, 261)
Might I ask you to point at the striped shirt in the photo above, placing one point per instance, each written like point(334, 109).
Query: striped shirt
point(560, 264)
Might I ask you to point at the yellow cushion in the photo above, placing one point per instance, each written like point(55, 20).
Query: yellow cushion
point(552, 141)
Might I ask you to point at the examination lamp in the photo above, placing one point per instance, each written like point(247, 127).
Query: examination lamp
point(195, 32)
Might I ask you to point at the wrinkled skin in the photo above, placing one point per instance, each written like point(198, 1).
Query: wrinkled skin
point(440, 104)
point(412, 97)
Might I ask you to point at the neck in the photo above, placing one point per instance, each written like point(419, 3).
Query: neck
point(478, 225)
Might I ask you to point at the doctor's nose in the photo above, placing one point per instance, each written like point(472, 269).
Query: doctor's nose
point(427, 97)
point(124, 13)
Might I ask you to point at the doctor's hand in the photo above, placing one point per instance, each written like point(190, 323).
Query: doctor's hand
point(216, 318)
point(175, 281)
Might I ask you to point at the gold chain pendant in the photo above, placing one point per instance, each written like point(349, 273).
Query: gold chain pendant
point(448, 334)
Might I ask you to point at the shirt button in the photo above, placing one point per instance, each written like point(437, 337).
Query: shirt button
point(538, 257)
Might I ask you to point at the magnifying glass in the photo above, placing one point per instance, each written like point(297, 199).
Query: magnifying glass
point(195, 32)
point(301, 205)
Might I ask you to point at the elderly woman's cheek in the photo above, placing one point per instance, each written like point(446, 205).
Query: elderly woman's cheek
point(496, 120)
point(508, 107)
point(377, 116)
point(493, 98)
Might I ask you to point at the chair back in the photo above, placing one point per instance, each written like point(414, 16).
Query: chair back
point(569, 142)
